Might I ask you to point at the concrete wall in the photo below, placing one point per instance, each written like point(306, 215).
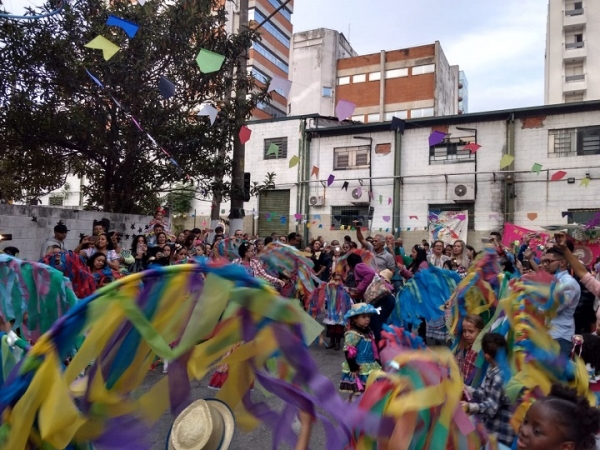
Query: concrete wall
point(446, 85)
point(28, 236)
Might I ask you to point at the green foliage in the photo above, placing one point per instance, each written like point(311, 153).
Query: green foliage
point(267, 184)
point(56, 120)
point(180, 199)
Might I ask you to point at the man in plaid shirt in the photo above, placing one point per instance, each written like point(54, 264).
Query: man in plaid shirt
point(490, 402)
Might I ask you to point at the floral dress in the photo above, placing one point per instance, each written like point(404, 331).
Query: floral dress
point(361, 356)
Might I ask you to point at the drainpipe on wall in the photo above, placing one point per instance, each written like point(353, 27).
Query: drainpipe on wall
point(382, 86)
point(397, 196)
point(305, 176)
point(509, 179)
point(300, 189)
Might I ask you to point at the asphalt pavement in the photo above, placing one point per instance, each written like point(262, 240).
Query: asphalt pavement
point(329, 363)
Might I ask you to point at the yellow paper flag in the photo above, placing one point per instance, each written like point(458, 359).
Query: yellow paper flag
point(506, 161)
point(101, 43)
point(294, 160)
point(584, 182)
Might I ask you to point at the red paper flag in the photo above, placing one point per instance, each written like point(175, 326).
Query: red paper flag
point(558, 175)
point(413, 217)
point(315, 171)
point(472, 147)
point(245, 133)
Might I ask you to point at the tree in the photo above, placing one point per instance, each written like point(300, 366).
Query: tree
point(58, 121)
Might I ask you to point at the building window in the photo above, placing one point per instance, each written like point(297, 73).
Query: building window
point(582, 216)
point(396, 73)
point(271, 57)
point(343, 80)
point(276, 32)
point(327, 91)
point(574, 98)
point(574, 72)
point(398, 114)
point(281, 143)
point(284, 11)
point(574, 9)
point(574, 40)
point(421, 112)
point(375, 76)
point(373, 117)
point(574, 141)
point(346, 215)
point(360, 78)
point(420, 70)
point(442, 207)
point(351, 157)
point(56, 200)
point(360, 118)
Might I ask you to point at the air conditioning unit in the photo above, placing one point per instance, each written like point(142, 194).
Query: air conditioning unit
point(462, 192)
point(316, 200)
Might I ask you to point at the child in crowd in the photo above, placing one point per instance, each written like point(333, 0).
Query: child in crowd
point(338, 304)
point(465, 355)
point(359, 349)
point(561, 421)
point(489, 401)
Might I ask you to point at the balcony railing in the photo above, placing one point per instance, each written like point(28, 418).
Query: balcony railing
point(571, 45)
point(575, 77)
point(574, 12)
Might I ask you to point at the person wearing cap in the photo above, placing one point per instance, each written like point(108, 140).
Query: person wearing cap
point(204, 425)
point(11, 251)
point(60, 234)
point(359, 349)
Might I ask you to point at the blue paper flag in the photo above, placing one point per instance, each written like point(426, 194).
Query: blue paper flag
point(283, 220)
point(94, 79)
point(128, 27)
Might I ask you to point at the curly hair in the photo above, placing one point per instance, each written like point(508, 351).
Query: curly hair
point(579, 421)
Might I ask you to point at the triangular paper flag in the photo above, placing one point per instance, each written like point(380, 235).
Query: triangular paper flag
point(101, 43)
point(320, 225)
point(128, 27)
point(283, 220)
point(245, 134)
point(359, 191)
point(567, 214)
point(413, 217)
point(584, 182)
point(317, 216)
point(532, 216)
point(398, 125)
point(506, 161)
point(386, 218)
point(294, 160)
point(141, 2)
point(344, 110)
point(472, 147)
point(371, 195)
point(437, 137)
point(283, 84)
point(389, 200)
point(273, 149)
point(330, 180)
point(166, 88)
point(380, 199)
point(298, 216)
point(342, 227)
point(345, 186)
point(210, 111)
point(315, 171)
point(558, 175)
point(337, 218)
point(536, 168)
point(209, 62)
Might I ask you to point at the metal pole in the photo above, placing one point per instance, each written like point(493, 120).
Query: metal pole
point(236, 220)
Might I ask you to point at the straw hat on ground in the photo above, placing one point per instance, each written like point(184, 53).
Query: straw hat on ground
point(204, 425)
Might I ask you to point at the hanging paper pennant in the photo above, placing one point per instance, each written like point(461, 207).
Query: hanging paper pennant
point(472, 147)
point(359, 192)
point(380, 199)
point(345, 186)
point(128, 27)
point(283, 220)
point(584, 182)
point(141, 2)
point(330, 179)
point(386, 218)
point(209, 62)
point(282, 84)
point(436, 137)
point(344, 110)
point(298, 216)
point(294, 160)
point(94, 79)
point(101, 43)
point(210, 111)
point(371, 195)
point(167, 88)
point(536, 168)
point(389, 200)
point(317, 216)
point(494, 216)
point(320, 225)
point(413, 217)
point(398, 125)
point(532, 216)
point(273, 149)
point(315, 171)
point(506, 161)
point(567, 214)
point(342, 227)
point(558, 175)
point(245, 134)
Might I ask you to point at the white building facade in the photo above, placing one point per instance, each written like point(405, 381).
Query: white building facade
point(572, 70)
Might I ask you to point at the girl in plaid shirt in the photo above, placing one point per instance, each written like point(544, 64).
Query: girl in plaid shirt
point(465, 356)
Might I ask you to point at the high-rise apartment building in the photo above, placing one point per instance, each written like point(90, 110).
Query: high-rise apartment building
point(271, 55)
point(572, 72)
point(406, 83)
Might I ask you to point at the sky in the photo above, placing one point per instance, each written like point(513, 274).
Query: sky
point(499, 44)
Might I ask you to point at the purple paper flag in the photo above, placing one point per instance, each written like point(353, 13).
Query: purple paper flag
point(436, 137)
point(389, 200)
point(386, 218)
point(330, 180)
point(359, 191)
point(298, 216)
point(344, 110)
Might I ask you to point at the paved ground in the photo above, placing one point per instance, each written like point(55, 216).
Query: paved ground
point(329, 361)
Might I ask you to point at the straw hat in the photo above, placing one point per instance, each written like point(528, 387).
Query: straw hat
point(204, 425)
point(360, 308)
point(387, 274)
